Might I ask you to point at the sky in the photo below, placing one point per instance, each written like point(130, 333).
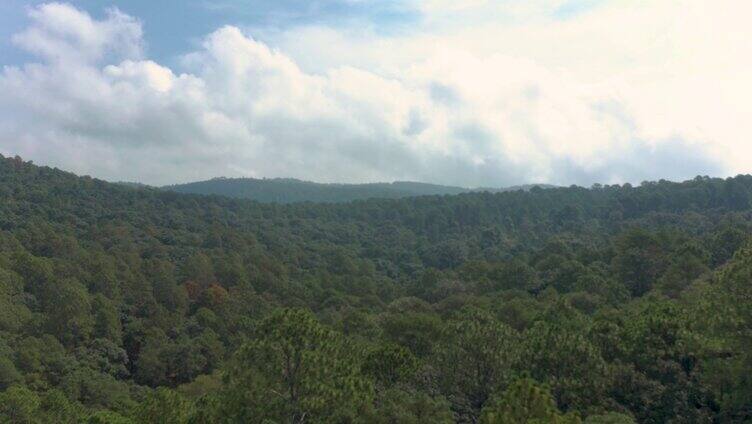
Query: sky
point(461, 92)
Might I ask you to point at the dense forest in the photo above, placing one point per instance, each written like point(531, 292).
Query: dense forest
point(289, 190)
point(613, 304)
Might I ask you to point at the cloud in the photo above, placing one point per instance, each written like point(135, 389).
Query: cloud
point(60, 32)
point(327, 104)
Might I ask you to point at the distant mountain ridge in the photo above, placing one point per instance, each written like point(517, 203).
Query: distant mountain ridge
point(290, 190)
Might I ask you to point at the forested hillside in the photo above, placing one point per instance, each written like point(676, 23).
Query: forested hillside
point(288, 190)
point(614, 304)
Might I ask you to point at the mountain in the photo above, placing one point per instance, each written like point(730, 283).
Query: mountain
point(612, 304)
point(288, 190)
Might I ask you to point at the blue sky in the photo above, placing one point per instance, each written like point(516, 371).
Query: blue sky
point(462, 92)
point(173, 27)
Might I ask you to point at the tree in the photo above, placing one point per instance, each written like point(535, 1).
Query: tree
point(526, 402)
point(418, 331)
point(8, 372)
point(96, 390)
point(19, 405)
point(106, 357)
point(689, 263)
point(164, 286)
point(107, 417)
point(163, 406)
point(56, 407)
point(295, 370)
point(725, 243)
point(389, 364)
point(42, 360)
point(198, 268)
point(514, 274)
point(654, 342)
point(14, 313)
point(106, 319)
point(728, 336)
point(475, 358)
point(639, 260)
point(151, 366)
point(68, 308)
point(566, 360)
point(609, 418)
point(399, 406)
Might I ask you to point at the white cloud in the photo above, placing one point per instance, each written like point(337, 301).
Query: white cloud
point(143, 73)
point(61, 32)
point(622, 93)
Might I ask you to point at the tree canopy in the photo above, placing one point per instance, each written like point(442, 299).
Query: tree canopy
point(610, 304)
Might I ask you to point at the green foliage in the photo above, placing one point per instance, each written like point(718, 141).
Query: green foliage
point(163, 406)
point(19, 405)
point(417, 331)
point(95, 389)
point(8, 373)
point(56, 407)
point(475, 358)
point(639, 260)
point(729, 357)
point(609, 418)
point(568, 362)
point(106, 319)
point(14, 313)
point(663, 370)
point(107, 417)
point(526, 402)
point(124, 305)
point(296, 370)
point(68, 308)
point(389, 364)
point(398, 406)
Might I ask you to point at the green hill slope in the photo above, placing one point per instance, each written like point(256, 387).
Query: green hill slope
point(611, 304)
point(288, 190)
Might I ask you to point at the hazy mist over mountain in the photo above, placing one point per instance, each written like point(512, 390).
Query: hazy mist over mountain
point(288, 190)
